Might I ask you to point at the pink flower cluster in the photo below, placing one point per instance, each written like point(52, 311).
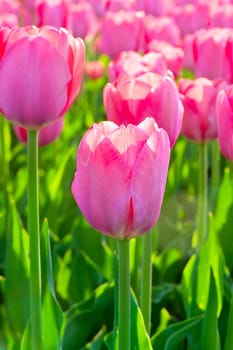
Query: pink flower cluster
point(148, 103)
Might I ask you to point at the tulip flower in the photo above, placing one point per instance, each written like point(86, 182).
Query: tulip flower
point(54, 13)
point(121, 174)
point(172, 55)
point(82, 21)
point(224, 111)
point(206, 64)
point(132, 99)
point(40, 73)
point(131, 63)
point(199, 99)
point(162, 28)
point(47, 134)
point(121, 31)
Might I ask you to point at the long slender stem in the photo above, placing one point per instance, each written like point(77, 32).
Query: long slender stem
point(34, 234)
point(124, 295)
point(135, 273)
point(146, 279)
point(215, 164)
point(202, 200)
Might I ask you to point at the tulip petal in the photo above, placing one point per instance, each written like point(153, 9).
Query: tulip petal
point(34, 78)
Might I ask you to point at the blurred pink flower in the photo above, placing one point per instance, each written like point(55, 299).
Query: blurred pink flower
point(130, 100)
point(222, 16)
point(47, 135)
point(199, 101)
point(155, 8)
point(210, 53)
point(121, 31)
point(82, 21)
point(40, 73)
point(224, 111)
point(52, 12)
point(190, 18)
point(9, 20)
point(118, 5)
point(121, 175)
point(94, 69)
point(161, 28)
point(174, 56)
point(131, 63)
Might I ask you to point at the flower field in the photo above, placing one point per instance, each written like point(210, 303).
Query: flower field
point(116, 176)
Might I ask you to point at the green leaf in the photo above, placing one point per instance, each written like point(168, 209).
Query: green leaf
point(139, 337)
point(210, 334)
point(229, 334)
point(188, 286)
point(210, 258)
point(17, 274)
point(83, 320)
point(173, 335)
point(225, 200)
point(97, 342)
point(52, 316)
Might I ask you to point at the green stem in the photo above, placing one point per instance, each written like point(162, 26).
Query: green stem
point(215, 164)
point(124, 295)
point(34, 234)
point(202, 200)
point(135, 273)
point(146, 279)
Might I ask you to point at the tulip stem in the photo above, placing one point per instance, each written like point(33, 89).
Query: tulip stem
point(124, 295)
point(135, 274)
point(34, 234)
point(215, 164)
point(202, 200)
point(146, 279)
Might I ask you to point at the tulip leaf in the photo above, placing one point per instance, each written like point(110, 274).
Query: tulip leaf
point(210, 258)
point(223, 214)
point(139, 336)
point(17, 273)
point(84, 319)
point(52, 316)
point(171, 337)
point(210, 335)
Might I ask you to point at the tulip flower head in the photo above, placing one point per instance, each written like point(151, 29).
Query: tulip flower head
point(199, 101)
point(40, 73)
point(224, 111)
point(130, 100)
point(121, 175)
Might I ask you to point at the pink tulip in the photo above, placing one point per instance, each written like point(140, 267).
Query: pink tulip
point(222, 16)
point(130, 100)
point(210, 54)
point(94, 69)
point(190, 17)
point(172, 55)
point(121, 175)
point(199, 100)
point(82, 21)
point(224, 111)
point(118, 5)
point(131, 63)
point(52, 12)
point(121, 31)
point(47, 135)
point(40, 74)
point(152, 7)
point(161, 28)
